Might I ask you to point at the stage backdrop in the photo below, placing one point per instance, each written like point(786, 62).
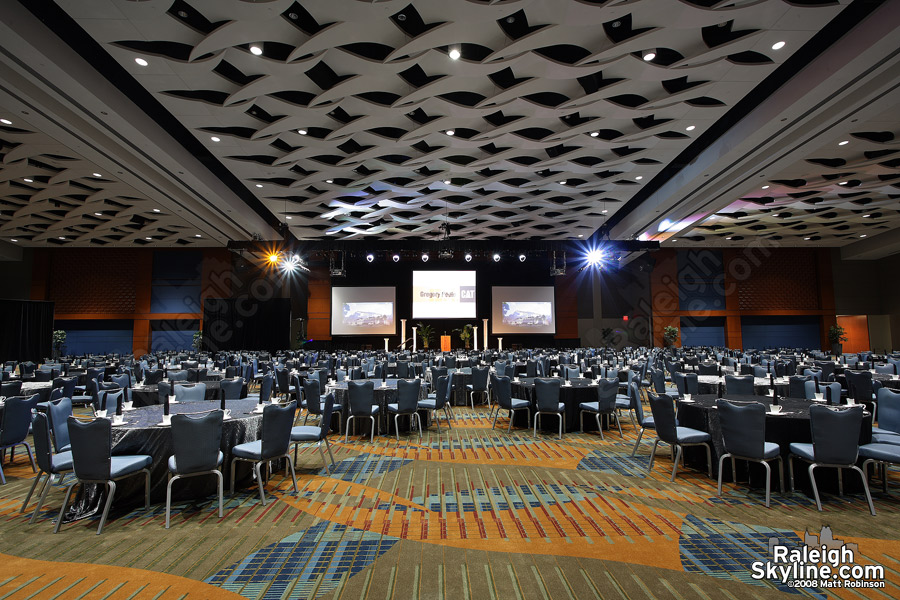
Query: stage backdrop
point(27, 327)
point(245, 324)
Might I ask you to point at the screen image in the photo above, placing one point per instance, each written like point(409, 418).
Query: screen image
point(363, 311)
point(443, 295)
point(523, 309)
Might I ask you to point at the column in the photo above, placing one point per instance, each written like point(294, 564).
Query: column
point(475, 337)
point(386, 344)
point(403, 333)
point(485, 334)
point(414, 338)
point(500, 344)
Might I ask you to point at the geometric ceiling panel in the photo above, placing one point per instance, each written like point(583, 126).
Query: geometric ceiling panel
point(351, 119)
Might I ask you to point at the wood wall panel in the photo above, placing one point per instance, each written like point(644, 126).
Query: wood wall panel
point(857, 327)
point(319, 304)
point(566, 296)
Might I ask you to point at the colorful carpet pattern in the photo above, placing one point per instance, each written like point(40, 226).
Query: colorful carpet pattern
point(468, 513)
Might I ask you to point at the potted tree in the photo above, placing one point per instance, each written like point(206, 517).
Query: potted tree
point(198, 340)
point(465, 334)
point(836, 335)
point(670, 335)
point(426, 332)
point(59, 339)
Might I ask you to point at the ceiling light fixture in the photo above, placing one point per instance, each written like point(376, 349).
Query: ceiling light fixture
point(97, 175)
point(148, 238)
point(843, 143)
point(866, 216)
point(273, 258)
point(521, 258)
point(580, 235)
point(604, 211)
point(370, 257)
point(215, 139)
point(807, 239)
point(778, 45)
point(765, 187)
point(256, 50)
point(197, 235)
point(595, 133)
point(329, 181)
point(649, 55)
point(563, 182)
point(289, 218)
point(13, 240)
point(690, 128)
point(156, 210)
point(496, 257)
point(27, 180)
point(863, 235)
point(639, 177)
point(142, 62)
point(842, 183)
point(446, 182)
point(302, 131)
point(424, 257)
point(455, 53)
point(395, 258)
point(468, 257)
point(62, 237)
point(728, 238)
point(6, 121)
point(98, 214)
point(450, 132)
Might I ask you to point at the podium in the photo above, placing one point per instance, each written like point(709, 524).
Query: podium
point(445, 343)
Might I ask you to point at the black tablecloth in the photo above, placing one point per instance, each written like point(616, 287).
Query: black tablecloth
point(385, 393)
point(581, 390)
point(148, 395)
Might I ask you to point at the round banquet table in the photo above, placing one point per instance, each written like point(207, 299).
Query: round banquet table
point(791, 425)
point(148, 395)
point(884, 379)
point(582, 389)
point(385, 393)
point(142, 433)
point(708, 384)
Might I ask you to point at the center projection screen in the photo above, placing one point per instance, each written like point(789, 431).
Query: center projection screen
point(523, 310)
point(443, 295)
point(363, 311)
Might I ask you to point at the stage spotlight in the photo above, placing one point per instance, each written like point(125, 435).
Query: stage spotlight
point(594, 257)
point(396, 258)
point(521, 258)
point(370, 257)
point(468, 257)
point(496, 258)
point(424, 257)
point(273, 258)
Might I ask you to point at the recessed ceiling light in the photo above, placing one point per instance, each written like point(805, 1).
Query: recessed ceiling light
point(142, 62)
point(446, 182)
point(595, 133)
point(289, 218)
point(563, 182)
point(728, 238)
point(148, 238)
point(197, 235)
point(765, 187)
point(778, 45)
point(649, 55)
point(842, 183)
point(259, 185)
point(807, 239)
point(674, 239)
point(27, 180)
point(6, 121)
point(454, 53)
point(329, 181)
point(302, 131)
point(863, 235)
point(97, 175)
point(256, 50)
point(866, 216)
point(604, 211)
point(690, 128)
point(843, 143)
point(13, 240)
point(155, 210)
point(450, 132)
point(639, 177)
point(98, 214)
point(62, 237)
point(215, 139)
point(580, 235)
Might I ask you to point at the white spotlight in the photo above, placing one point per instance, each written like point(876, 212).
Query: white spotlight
point(594, 257)
point(521, 258)
point(370, 257)
point(141, 62)
point(256, 50)
point(496, 258)
point(396, 258)
point(302, 131)
point(468, 257)
point(424, 257)
point(777, 45)
point(450, 132)
point(649, 55)
point(454, 53)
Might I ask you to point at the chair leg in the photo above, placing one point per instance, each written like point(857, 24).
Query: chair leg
point(708, 459)
point(62, 511)
point(637, 441)
point(678, 452)
point(581, 421)
point(347, 428)
point(259, 481)
point(221, 492)
point(599, 425)
point(512, 413)
point(397, 426)
point(719, 487)
point(169, 500)
point(781, 475)
point(41, 498)
point(791, 473)
point(372, 434)
point(618, 424)
point(233, 462)
point(419, 423)
point(812, 478)
point(146, 488)
point(768, 481)
point(865, 488)
point(330, 455)
point(111, 485)
point(31, 491)
point(30, 457)
point(293, 474)
point(652, 455)
point(537, 416)
point(2, 476)
point(562, 422)
point(494, 422)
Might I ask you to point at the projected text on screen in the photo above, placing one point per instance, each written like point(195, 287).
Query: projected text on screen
point(443, 295)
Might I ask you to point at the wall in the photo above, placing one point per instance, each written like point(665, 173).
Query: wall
point(15, 273)
point(870, 288)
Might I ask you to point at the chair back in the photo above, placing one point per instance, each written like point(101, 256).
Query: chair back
point(231, 388)
point(835, 433)
point(859, 386)
point(59, 413)
point(282, 380)
point(658, 378)
point(531, 368)
point(66, 384)
point(94, 373)
point(190, 393)
point(402, 369)
point(885, 369)
point(607, 389)
point(889, 409)
point(43, 455)
point(708, 369)
point(741, 385)
point(357, 373)
point(153, 377)
point(546, 393)
point(197, 375)
point(265, 388)
point(440, 390)
point(361, 396)
point(797, 386)
point(16, 419)
point(480, 378)
point(571, 372)
point(91, 448)
point(325, 423)
point(197, 439)
point(408, 394)
point(663, 409)
point(743, 428)
point(438, 372)
point(502, 390)
point(313, 394)
point(450, 362)
point(687, 383)
point(123, 381)
point(10, 388)
point(178, 375)
point(276, 429)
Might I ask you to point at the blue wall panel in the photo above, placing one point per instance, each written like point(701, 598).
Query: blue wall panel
point(99, 341)
point(780, 332)
point(703, 332)
point(175, 298)
point(176, 281)
point(701, 280)
point(171, 340)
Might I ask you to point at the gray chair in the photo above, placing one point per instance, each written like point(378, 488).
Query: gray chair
point(49, 464)
point(181, 375)
point(744, 437)
point(14, 428)
point(739, 385)
point(888, 429)
point(58, 414)
point(668, 431)
point(479, 385)
point(882, 455)
point(229, 389)
point(797, 386)
point(407, 403)
point(194, 392)
point(274, 443)
point(501, 388)
point(10, 388)
point(361, 401)
point(438, 401)
point(645, 422)
point(93, 462)
point(687, 383)
point(265, 388)
point(831, 392)
point(196, 440)
point(607, 389)
point(313, 397)
point(303, 434)
point(546, 395)
point(835, 443)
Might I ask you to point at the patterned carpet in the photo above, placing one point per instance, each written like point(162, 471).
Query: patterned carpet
point(472, 513)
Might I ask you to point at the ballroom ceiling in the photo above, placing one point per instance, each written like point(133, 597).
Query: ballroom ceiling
point(351, 120)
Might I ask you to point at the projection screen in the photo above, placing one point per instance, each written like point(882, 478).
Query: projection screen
point(523, 310)
point(363, 311)
point(443, 295)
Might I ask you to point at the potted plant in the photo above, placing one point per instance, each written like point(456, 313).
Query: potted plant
point(465, 334)
point(836, 335)
point(59, 338)
point(426, 332)
point(198, 340)
point(670, 335)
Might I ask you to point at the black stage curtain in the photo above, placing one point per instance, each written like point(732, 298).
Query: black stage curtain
point(27, 327)
point(246, 324)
